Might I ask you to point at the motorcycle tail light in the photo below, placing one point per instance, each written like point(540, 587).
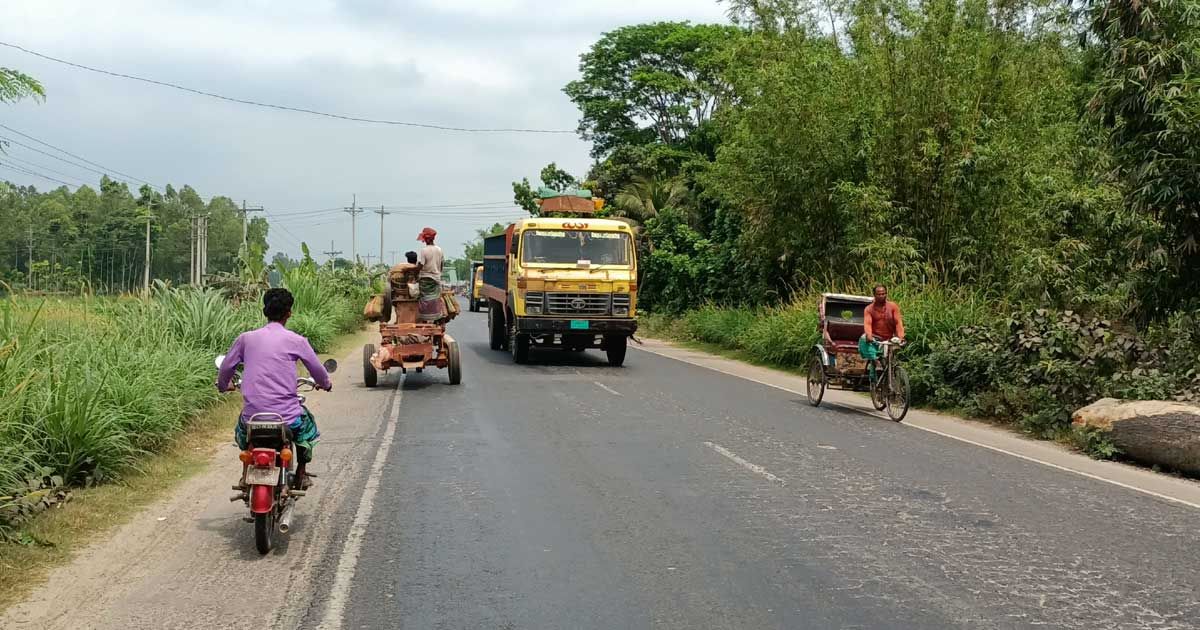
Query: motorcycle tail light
point(244, 456)
point(262, 458)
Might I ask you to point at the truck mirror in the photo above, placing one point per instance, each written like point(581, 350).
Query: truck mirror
point(515, 242)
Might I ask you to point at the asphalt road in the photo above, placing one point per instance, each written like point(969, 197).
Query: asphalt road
point(569, 494)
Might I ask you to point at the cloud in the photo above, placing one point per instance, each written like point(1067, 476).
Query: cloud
point(500, 63)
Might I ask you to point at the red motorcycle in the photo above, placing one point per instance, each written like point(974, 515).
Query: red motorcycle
point(268, 485)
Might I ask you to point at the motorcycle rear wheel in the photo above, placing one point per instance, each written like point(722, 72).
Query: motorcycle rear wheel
point(264, 528)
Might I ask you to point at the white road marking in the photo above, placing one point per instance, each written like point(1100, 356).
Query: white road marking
point(997, 449)
point(754, 468)
point(339, 593)
point(607, 388)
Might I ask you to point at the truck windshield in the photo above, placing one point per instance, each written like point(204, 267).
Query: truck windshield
point(570, 247)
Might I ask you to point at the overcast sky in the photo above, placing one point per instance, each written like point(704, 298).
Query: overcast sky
point(467, 63)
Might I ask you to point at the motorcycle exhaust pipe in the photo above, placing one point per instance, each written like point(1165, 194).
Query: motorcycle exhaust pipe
point(285, 519)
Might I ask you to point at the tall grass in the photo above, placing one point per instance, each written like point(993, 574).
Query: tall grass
point(88, 386)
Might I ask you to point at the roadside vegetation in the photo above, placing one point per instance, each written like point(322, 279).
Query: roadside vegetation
point(1021, 175)
point(93, 384)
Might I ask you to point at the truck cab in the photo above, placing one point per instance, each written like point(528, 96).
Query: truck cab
point(475, 298)
point(565, 282)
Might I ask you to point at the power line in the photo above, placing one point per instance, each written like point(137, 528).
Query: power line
point(18, 169)
point(82, 159)
point(301, 110)
point(9, 156)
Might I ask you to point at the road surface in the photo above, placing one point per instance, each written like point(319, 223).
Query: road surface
point(570, 494)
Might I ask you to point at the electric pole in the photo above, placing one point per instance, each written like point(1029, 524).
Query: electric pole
point(381, 212)
point(30, 269)
point(354, 211)
point(146, 270)
point(192, 258)
point(246, 209)
point(332, 253)
point(393, 253)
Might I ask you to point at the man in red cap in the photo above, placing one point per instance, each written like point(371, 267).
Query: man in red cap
point(429, 259)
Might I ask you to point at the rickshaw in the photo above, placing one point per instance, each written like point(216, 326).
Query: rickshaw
point(836, 361)
point(406, 342)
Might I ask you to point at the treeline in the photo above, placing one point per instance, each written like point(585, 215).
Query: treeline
point(1021, 173)
point(95, 238)
point(1039, 153)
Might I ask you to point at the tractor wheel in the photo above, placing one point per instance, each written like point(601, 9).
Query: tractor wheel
point(370, 374)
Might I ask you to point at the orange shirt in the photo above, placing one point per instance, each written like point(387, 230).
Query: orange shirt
point(884, 322)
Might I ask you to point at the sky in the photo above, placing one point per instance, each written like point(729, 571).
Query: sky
point(464, 63)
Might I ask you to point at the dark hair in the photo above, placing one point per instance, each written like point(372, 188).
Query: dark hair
point(277, 304)
point(878, 287)
point(412, 257)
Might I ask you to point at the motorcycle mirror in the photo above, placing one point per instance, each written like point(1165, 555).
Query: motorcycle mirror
point(330, 365)
point(219, 360)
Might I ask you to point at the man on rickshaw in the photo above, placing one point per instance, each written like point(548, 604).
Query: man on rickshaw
point(881, 322)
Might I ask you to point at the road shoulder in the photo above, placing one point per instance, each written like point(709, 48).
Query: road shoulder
point(1163, 487)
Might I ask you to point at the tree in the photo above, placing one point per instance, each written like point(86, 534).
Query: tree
point(1148, 99)
point(651, 82)
point(15, 86)
point(552, 177)
point(643, 198)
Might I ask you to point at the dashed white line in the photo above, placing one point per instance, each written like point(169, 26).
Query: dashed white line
point(754, 468)
point(607, 388)
point(339, 593)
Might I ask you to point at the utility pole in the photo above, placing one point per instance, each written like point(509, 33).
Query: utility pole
point(354, 211)
point(192, 257)
point(30, 269)
point(202, 254)
point(246, 209)
point(332, 253)
point(393, 253)
point(368, 257)
point(381, 212)
point(146, 270)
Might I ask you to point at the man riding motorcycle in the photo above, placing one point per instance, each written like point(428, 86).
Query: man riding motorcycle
point(269, 356)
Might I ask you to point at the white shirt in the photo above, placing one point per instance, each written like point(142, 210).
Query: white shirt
point(429, 259)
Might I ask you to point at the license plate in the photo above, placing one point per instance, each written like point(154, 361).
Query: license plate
point(262, 476)
point(579, 324)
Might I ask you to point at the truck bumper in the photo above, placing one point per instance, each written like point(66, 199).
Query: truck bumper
point(595, 326)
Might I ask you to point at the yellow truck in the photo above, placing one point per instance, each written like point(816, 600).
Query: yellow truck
point(565, 282)
point(475, 296)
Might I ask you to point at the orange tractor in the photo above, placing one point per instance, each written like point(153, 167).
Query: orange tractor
point(407, 342)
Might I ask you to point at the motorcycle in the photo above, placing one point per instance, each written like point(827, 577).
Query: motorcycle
point(268, 485)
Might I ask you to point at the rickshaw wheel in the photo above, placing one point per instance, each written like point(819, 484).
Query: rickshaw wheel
point(816, 380)
point(370, 375)
point(453, 362)
point(897, 396)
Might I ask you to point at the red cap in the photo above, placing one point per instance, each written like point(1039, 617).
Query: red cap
point(426, 234)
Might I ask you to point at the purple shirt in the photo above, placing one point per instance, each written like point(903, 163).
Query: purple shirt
point(269, 377)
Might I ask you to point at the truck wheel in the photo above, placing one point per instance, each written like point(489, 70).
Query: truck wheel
point(473, 305)
point(518, 344)
point(495, 328)
point(615, 347)
point(453, 363)
point(370, 375)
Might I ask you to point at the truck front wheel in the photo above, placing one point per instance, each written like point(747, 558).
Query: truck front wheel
point(496, 327)
point(518, 343)
point(614, 347)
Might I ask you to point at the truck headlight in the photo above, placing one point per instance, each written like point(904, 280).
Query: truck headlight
point(533, 310)
point(620, 310)
point(620, 304)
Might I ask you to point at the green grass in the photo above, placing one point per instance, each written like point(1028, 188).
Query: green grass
point(92, 385)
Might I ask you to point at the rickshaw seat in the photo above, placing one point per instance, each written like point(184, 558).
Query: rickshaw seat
point(844, 331)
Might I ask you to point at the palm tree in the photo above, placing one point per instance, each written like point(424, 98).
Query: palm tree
point(645, 196)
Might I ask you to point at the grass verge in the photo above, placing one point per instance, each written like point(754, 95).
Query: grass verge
point(55, 536)
point(52, 538)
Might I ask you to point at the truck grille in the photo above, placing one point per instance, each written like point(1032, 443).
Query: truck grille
point(578, 303)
